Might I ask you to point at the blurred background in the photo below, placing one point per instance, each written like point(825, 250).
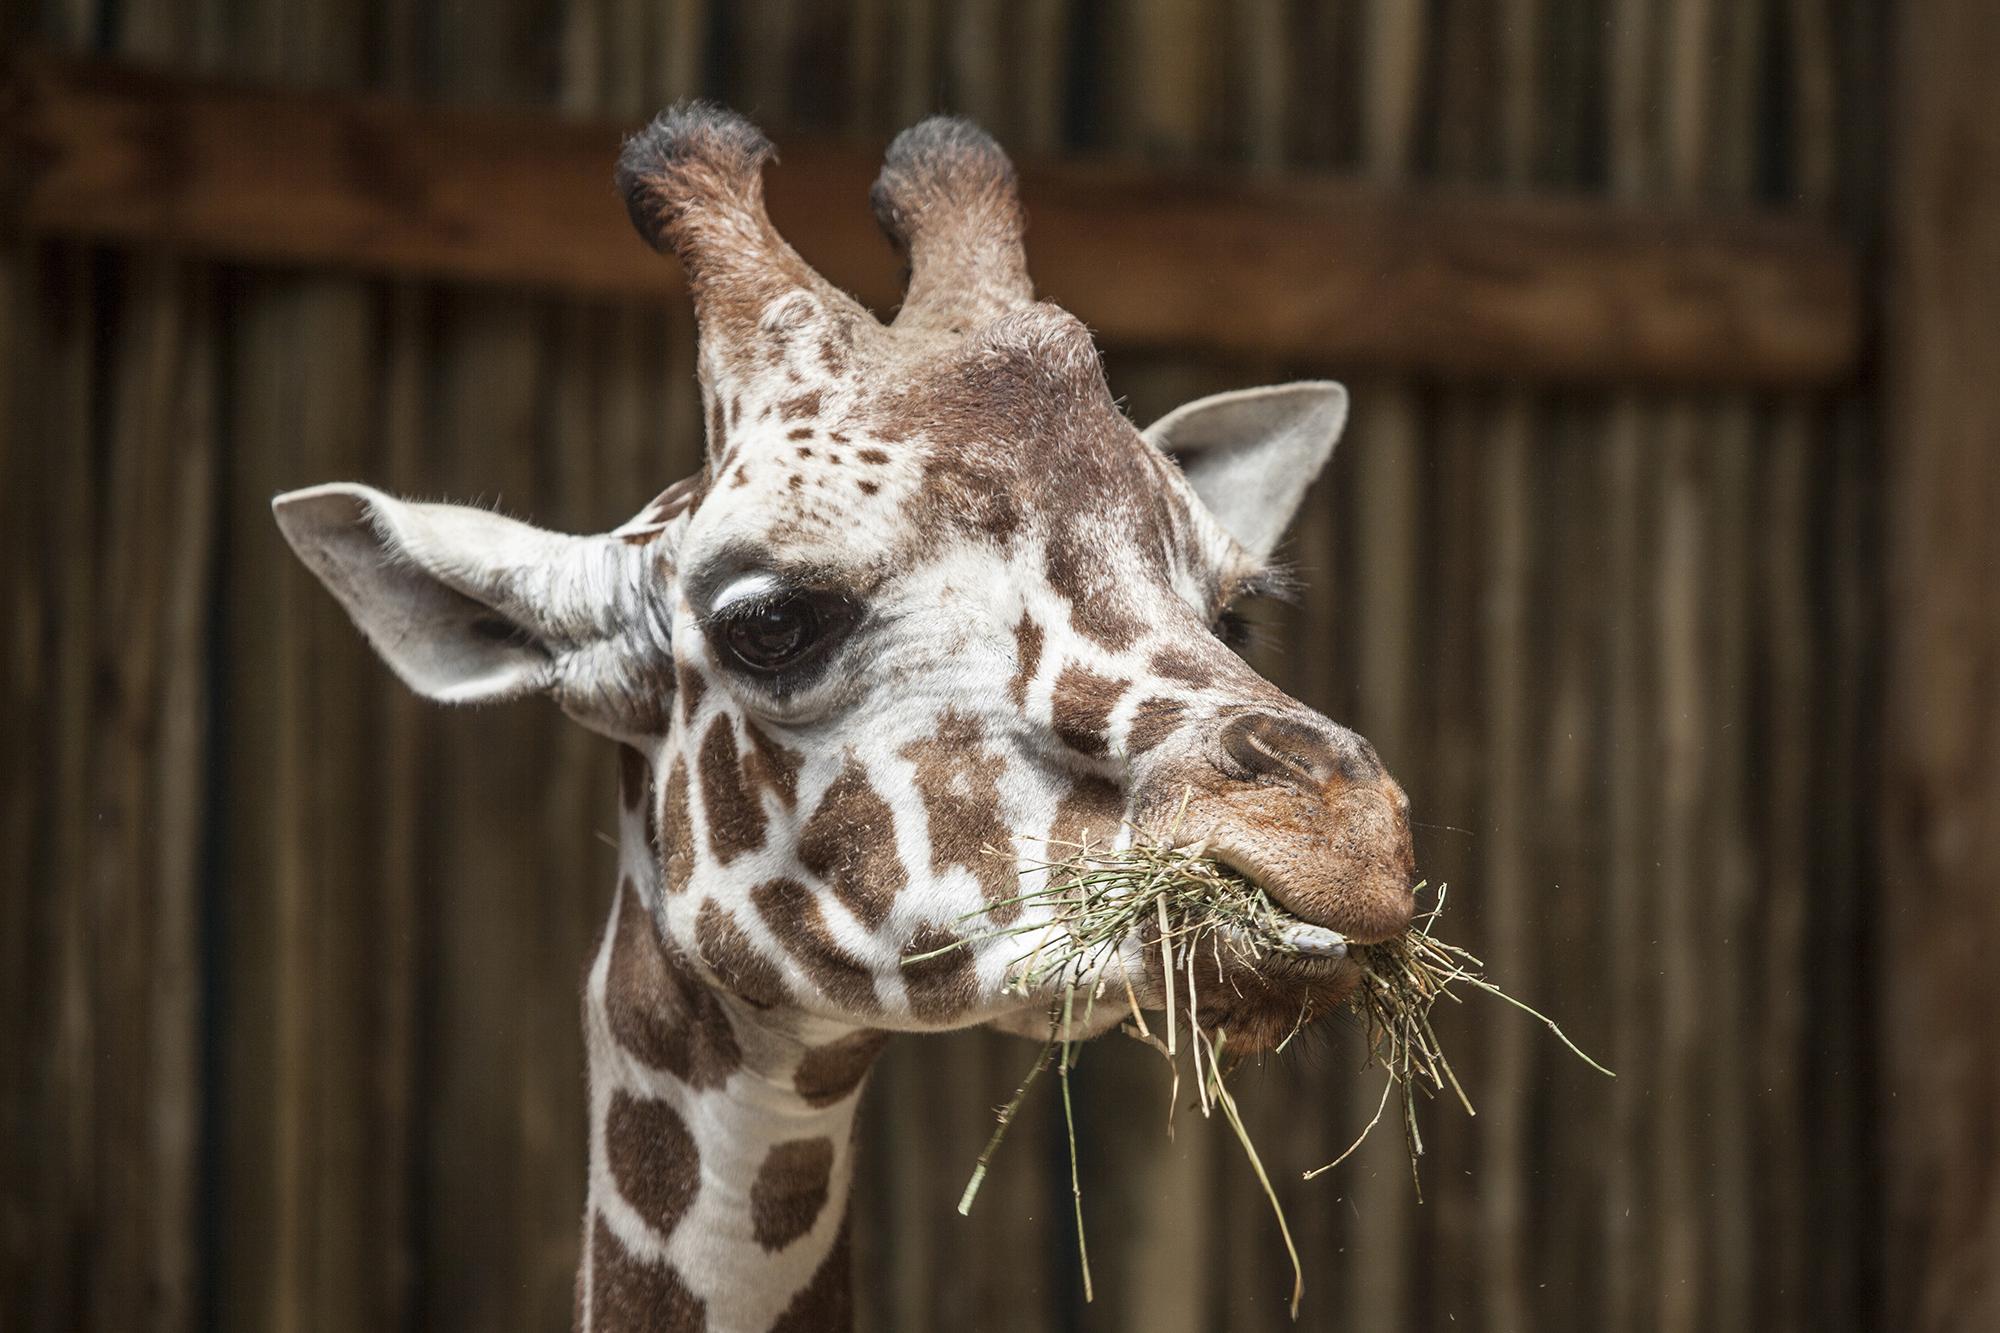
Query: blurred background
point(1657, 560)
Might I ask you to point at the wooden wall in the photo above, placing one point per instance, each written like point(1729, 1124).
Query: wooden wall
point(288, 964)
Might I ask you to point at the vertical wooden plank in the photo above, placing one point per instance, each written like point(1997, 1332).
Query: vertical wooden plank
point(1635, 1215)
point(1844, 949)
point(1383, 457)
point(1795, 706)
point(1714, 73)
point(1940, 843)
point(258, 639)
point(1449, 802)
point(48, 1212)
point(1630, 1217)
point(1508, 886)
point(1802, 1244)
point(147, 791)
point(405, 764)
point(1726, 935)
point(1681, 713)
point(1570, 1106)
point(24, 1247)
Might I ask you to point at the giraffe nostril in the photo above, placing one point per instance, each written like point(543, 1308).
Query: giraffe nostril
point(1266, 745)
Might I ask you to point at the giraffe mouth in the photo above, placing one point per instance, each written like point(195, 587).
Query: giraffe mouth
point(1321, 919)
point(1285, 947)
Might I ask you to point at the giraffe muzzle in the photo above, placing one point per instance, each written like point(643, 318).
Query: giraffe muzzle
point(1304, 809)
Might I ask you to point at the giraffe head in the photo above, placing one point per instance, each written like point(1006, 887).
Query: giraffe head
point(931, 598)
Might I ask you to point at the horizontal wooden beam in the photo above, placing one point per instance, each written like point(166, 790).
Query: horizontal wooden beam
point(1312, 271)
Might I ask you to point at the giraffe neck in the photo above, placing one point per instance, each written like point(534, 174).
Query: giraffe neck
point(721, 1140)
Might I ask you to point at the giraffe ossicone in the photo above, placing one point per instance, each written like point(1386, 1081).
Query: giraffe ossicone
point(930, 594)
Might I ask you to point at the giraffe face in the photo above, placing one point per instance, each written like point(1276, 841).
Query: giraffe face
point(930, 626)
point(933, 610)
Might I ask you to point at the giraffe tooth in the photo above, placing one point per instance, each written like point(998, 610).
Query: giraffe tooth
point(1315, 940)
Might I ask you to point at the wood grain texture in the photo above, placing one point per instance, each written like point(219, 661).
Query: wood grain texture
point(1940, 841)
point(1562, 290)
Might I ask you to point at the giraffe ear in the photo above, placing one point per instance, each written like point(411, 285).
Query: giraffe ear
point(1250, 454)
point(464, 605)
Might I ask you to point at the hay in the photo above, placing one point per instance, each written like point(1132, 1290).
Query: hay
point(1092, 902)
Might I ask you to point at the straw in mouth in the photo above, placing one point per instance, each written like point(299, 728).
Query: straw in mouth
point(1095, 902)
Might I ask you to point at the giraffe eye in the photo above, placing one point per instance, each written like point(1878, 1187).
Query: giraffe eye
point(782, 635)
point(773, 635)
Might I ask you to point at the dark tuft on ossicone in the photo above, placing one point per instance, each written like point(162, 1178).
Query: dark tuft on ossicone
point(691, 154)
point(943, 161)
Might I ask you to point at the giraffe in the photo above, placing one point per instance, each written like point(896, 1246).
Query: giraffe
point(930, 595)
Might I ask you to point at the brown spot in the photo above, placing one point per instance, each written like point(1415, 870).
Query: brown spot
point(718, 434)
point(850, 842)
point(770, 766)
point(735, 813)
point(805, 450)
point(830, 1073)
point(1075, 567)
point(940, 987)
point(959, 780)
point(875, 456)
point(1093, 811)
point(832, 357)
point(973, 494)
point(1153, 720)
point(792, 914)
point(838, 437)
point(790, 1190)
point(742, 476)
point(634, 777)
point(801, 433)
point(659, 1011)
point(800, 407)
point(735, 409)
point(1081, 708)
point(1181, 665)
point(653, 1159)
point(825, 1304)
point(833, 459)
point(690, 684)
point(1027, 658)
point(870, 487)
point(677, 857)
point(794, 482)
point(735, 960)
point(628, 1292)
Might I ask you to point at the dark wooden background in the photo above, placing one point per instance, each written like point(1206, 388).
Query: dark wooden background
point(288, 963)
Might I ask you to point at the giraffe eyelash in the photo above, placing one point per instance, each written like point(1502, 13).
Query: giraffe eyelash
point(746, 596)
point(1278, 582)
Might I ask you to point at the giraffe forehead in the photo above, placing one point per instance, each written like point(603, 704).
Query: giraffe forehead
point(980, 427)
point(1090, 514)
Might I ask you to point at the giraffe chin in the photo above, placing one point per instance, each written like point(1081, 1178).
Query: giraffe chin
point(1260, 1005)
